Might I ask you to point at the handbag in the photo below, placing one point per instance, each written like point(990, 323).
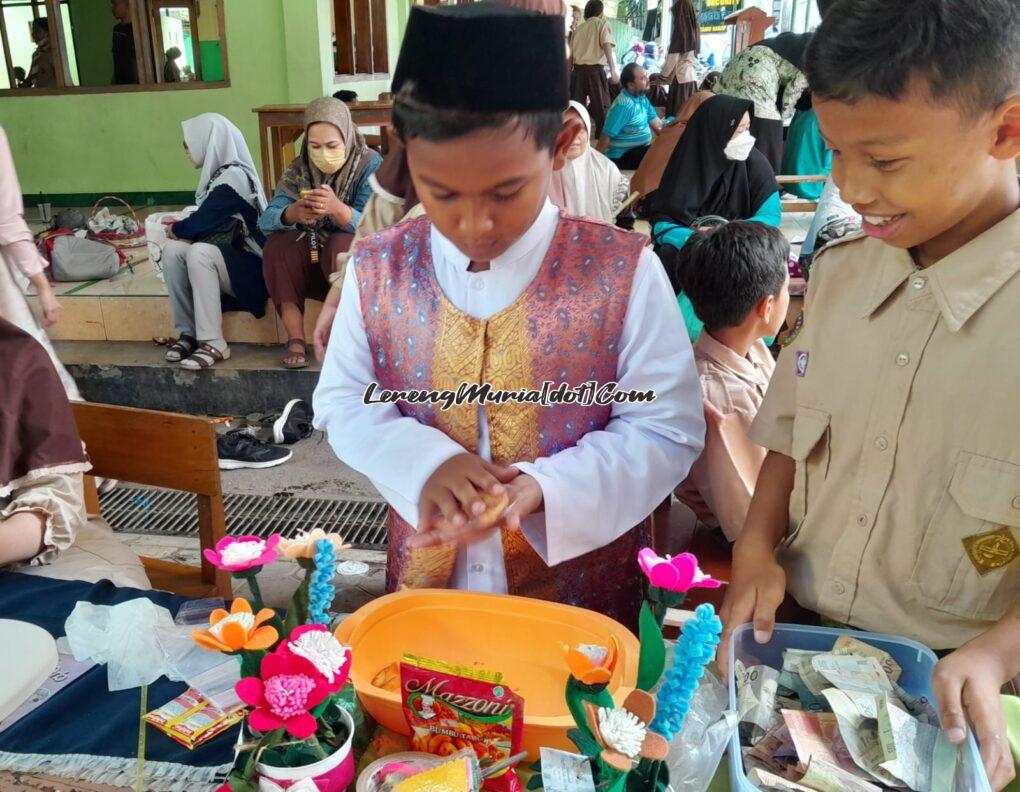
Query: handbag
point(76, 259)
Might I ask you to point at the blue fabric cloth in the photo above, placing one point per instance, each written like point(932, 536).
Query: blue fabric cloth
point(243, 266)
point(85, 718)
point(627, 124)
point(272, 218)
point(806, 155)
point(769, 213)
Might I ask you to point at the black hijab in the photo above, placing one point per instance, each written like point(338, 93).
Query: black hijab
point(699, 180)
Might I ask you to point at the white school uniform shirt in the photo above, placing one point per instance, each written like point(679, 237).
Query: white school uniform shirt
point(593, 492)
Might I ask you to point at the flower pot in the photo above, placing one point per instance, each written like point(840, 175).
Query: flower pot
point(333, 774)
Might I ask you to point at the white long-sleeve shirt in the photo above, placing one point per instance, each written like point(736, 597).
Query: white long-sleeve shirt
point(593, 492)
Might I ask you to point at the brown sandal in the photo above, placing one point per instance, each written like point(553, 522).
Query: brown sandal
point(204, 357)
point(303, 354)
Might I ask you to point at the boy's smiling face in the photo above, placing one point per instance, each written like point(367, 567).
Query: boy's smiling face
point(924, 173)
point(483, 190)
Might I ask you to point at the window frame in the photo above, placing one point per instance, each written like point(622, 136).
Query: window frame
point(353, 51)
point(150, 78)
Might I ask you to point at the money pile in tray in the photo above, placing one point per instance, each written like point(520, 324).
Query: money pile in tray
point(837, 721)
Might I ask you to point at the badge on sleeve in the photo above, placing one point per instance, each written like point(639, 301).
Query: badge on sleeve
point(802, 361)
point(992, 550)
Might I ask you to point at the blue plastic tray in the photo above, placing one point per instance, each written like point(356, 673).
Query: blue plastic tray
point(916, 660)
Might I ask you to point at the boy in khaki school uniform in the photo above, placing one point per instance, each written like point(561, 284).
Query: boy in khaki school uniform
point(890, 497)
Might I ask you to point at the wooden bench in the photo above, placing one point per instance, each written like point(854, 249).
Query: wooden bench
point(162, 450)
point(800, 205)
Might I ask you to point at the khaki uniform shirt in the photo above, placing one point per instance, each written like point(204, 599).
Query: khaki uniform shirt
point(721, 481)
point(900, 402)
point(586, 43)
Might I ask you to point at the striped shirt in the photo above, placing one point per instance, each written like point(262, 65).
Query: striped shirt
point(627, 124)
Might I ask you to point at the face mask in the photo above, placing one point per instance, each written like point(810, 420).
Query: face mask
point(328, 160)
point(739, 148)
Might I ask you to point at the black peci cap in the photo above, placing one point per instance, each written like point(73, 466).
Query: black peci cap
point(484, 58)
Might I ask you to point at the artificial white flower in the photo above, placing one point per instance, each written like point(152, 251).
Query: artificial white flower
point(596, 654)
point(622, 731)
point(322, 650)
point(240, 553)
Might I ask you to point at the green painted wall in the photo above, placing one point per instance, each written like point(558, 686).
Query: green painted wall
point(131, 142)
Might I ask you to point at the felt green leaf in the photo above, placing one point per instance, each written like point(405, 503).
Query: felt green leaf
point(297, 612)
point(653, 650)
point(585, 742)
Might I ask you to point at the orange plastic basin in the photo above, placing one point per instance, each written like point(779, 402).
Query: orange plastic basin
point(522, 638)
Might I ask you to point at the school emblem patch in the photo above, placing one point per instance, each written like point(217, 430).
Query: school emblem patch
point(802, 361)
point(992, 550)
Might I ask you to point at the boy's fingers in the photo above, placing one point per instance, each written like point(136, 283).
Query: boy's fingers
point(502, 474)
point(449, 507)
point(736, 610)
point(764, 618)
point(984, 709)
point(947, 689)
point(467, 496)
point(483, 479)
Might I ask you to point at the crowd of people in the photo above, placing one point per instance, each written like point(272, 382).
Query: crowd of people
point(869, 478)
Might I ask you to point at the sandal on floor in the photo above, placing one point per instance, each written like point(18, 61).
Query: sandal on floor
point(204, 357)
point(291, 353)
point(179, 348)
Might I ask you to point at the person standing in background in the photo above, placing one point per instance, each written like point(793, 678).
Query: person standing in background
point(125, 65)
point(684, 46)
point(41, 74)
point(591, 43)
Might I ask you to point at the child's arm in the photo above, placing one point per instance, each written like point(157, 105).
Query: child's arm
point(613, 478)
point(966, 685)
point(396, 452)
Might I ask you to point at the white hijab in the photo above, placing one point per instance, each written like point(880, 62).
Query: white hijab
point(214, 142)
point(592, 184)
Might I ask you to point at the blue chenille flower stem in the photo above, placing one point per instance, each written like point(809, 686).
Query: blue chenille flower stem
point(699, 638)
point(320, 592)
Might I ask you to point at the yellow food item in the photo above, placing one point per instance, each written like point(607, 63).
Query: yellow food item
point(450, 777)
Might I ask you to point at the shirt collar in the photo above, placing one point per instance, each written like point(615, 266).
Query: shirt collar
point(963, 281)
point(747, 368)
point(542, 230)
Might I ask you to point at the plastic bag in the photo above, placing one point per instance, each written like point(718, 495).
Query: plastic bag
point(695, 753)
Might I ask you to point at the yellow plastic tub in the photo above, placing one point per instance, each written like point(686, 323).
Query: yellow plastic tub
point(522, 638)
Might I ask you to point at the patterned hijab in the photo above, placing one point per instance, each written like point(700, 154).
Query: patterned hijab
point(303, 175)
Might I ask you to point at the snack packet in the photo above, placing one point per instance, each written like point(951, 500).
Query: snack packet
point(191, 720)
point(451, 708)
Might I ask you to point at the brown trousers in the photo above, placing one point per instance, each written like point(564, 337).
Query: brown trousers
point(590, 86)
point(287, 266)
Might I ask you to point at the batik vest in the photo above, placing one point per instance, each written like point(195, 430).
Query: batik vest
point(564, 328)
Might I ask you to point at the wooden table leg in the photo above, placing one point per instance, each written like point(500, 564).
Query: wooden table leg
point(267, 185)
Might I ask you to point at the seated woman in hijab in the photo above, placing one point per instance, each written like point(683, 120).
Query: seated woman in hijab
point(715, 172)
point(42, 501)
point(589, 184)
point(213, 259)
point(313, 216)
point(649, 173)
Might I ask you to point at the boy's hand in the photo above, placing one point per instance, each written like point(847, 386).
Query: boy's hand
point(966, 684)
point(526, 498)
point(453, 491)
point(755, 592)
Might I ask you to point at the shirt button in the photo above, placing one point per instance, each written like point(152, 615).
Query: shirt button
point(902, 359)
point(477, 284)
point(862, 520)
point(1016, 502)
point(477, 568)
point(918, 283)
point(881, 443)
point(838, 588)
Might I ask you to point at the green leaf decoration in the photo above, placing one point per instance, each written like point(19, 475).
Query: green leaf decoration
point(297, 612)
point(653, 650)
point(536, 778)
point(585, 743)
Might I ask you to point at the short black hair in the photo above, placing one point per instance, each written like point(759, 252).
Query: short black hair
point(627, 76)
point(728, 270)
point(824, 6)
point(412, 119)
point(40, 25)
point(346, 96)
point(593, 8)
point(965, 50)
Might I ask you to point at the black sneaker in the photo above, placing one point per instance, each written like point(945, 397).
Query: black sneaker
point(238, 449)
point(294, 423)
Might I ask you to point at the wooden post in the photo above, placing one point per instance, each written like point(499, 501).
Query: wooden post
point(380, 56)
point(343, 28)
point(7, 52)
point(362, 37)
point(212, 526)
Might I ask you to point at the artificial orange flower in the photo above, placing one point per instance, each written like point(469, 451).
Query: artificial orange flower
point(237, 630)
point(593, 665)
point(303, 545)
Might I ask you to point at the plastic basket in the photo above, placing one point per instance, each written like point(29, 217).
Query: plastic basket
point(916, 660)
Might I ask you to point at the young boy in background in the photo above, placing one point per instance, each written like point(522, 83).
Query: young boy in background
point(737, 278)
point(495, 286)
point(890, 497)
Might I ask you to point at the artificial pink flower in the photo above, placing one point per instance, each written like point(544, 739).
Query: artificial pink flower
point(289, 688)
point(316, 645)
point(678, 573)
point(241, 553)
